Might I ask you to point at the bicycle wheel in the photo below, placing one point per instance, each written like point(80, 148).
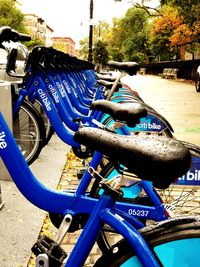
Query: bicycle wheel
point(29, 132)
point(178, 199)
point(184, 199)
point(175, 243)
point(48, 127)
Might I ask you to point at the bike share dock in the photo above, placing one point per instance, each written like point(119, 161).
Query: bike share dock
point(69, 179)
point(21, 222)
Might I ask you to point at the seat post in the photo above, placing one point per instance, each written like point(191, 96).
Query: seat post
point(115, 85)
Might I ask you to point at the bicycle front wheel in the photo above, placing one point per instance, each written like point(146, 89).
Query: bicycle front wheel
point(175, 243)
point(48, 127)
point(29, 132)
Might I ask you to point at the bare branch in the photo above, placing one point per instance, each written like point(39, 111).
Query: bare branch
point(151, 11)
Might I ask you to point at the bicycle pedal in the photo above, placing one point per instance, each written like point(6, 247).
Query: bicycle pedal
point(49, 247)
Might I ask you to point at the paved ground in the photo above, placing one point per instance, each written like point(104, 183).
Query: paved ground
point(177, 101)
point(21, 222)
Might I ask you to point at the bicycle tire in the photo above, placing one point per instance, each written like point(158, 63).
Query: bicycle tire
point(48, 127)
point(29, 132)
point(174, 242)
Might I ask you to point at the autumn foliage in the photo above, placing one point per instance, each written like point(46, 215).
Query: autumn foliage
point(172, 25)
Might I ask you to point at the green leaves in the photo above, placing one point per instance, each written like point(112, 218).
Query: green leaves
point(11, 16)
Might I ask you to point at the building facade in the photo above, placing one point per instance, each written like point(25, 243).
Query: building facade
point(38, 28)
point(66, 44)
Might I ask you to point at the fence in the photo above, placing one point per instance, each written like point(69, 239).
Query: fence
point(186, 69)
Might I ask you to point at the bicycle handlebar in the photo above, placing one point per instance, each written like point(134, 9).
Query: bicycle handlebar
point(9, 34)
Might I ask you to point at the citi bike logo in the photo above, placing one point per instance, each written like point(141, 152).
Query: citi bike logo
point(3, 143)
point(67, 86)
point(191, 176)
point(54, 93)
point(149, 126)
point(44, 99)
point(61, 89)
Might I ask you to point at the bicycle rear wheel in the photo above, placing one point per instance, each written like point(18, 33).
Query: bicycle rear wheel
point(182, 199)
point(174, 242)
point(29, 132)
point(178, 199)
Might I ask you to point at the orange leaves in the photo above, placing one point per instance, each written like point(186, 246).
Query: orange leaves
point(181, 36)
point(172, 26)
point(168, 21)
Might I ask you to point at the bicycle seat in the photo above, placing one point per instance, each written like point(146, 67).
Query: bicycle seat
point(131, 113)
point(105, 83)
point(129, 67)
point(106, 77)
point(154, 158)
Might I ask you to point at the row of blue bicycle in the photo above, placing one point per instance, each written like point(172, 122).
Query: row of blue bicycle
point(112, 126)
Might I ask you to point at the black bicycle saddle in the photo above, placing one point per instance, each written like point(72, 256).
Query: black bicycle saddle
point(129, 67)
point(154, 158)
point(130, 113)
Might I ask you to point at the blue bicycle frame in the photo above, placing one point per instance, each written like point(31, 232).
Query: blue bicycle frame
point(73, 203)
point(60, 202)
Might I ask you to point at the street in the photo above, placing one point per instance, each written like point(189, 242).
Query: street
point(177, 101)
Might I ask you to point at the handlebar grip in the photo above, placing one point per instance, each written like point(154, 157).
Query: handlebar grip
point(24, 37)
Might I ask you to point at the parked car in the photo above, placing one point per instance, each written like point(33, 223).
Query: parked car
point(197, 80)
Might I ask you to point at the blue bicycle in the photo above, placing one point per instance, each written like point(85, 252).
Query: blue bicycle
point(173, 242)
point(118, 220)
point(153, 214)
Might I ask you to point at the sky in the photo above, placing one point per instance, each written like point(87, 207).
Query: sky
point(71, 17)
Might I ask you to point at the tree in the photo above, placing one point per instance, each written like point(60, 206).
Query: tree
point(114, 40)
point(128, 39)
point(11, 16)
point(190, 10)
point(169, 34)
point(100, 32)
point(83, 51)
point(100, 53)
point(187, 9)
point(34, 42)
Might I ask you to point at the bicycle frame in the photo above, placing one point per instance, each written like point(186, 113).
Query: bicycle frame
point(71, 203)
point(59, 202)
point(37, 86)
point(40, 85)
